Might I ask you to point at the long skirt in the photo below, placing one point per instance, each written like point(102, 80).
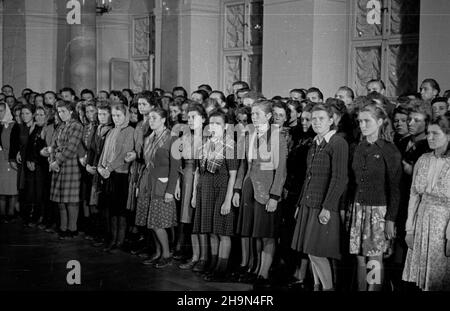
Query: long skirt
point(426, 264)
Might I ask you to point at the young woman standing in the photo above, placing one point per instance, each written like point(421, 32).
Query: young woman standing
point(163, 177)
point(66, 177)
point(376, 172)
point(260, 180)
point(114, 171)
point(214, 181)
point(318, 222)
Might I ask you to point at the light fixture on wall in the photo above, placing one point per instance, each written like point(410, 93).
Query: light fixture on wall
point(104, 6)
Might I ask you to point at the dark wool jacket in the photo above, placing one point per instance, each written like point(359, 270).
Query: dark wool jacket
point(377, 171)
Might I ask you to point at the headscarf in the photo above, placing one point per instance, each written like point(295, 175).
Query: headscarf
point(8, 118)
point(109, 151)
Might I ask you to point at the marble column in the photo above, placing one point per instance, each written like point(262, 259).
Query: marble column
point(82, 50)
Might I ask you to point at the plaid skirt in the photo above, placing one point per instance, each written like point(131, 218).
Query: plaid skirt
point(65, 187)
point(210, 197)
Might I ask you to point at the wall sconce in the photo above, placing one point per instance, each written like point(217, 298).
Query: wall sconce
point(103, 7)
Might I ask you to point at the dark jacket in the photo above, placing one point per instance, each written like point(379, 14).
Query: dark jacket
point(377, 171)
point(163, 173)
point(326, 174)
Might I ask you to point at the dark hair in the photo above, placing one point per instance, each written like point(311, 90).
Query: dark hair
point(219, 113)
point(158, 91)
point(203, 93)
point(379, 81)
point(180, 88)
point(129, 92)
point(433, 84)
point(163, 114)
point(337, 105)
point(379, 112)
point(211, 102)
point(348, 90)
point(315, 90)
point(446, 94)
point(283, 106)
point(68, 105)
point(299, 91)
point(422, 107)
point(50, 92)
point(205, 87)
point(221, 95)
point(68, 89)
point(30, 107)
point(104, 106)
point(439, 100)
point(194, 106)
point(296, 104)
point(401, 109)
point(309, 106)
point(87, 91)
point(443, 122)
point(244, 110)
point(106, 92)
point(7, 85)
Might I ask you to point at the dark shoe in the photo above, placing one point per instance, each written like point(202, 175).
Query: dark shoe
point(109, 247)
point(73, 234)
point(200, 266)
point(188, 265)
point(151, 261)
point(261, 283)
point(63, 235)
point(297, 286)
point(177, 255)
point(216, 276)
point(163, 262)
point(115, 249)
point(248, 278)
point(98, 244)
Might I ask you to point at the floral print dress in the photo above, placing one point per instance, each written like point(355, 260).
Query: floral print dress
point(428, 221)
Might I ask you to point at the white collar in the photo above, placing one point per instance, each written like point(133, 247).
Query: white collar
point(327, 137)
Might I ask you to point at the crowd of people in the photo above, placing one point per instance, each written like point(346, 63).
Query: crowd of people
point(348, 193)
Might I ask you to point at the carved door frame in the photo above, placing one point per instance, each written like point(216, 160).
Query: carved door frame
point(385, 40)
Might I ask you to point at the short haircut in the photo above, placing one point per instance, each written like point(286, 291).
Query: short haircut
point(315, 90)
point(68, 89)
point(379, 81)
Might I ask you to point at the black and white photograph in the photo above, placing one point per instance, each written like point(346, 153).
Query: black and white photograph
point(200, 147)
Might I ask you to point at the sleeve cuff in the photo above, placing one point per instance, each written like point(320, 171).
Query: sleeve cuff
point(275, 197)
point(238, 191)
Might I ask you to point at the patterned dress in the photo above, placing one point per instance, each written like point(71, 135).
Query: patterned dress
point(65, 186)
point(212, 189)
point(428, 220)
